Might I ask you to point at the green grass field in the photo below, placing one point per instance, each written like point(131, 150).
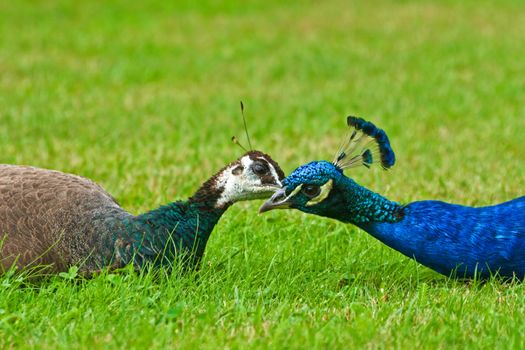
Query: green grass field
point(144, 100)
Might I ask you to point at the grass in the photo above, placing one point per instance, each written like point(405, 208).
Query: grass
point(143, 98)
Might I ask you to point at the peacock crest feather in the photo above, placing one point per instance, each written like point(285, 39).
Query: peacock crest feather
point(365, 145)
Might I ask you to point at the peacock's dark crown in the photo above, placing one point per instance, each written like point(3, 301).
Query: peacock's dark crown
point(316, 173)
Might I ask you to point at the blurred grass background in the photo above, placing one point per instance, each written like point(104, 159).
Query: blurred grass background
point(143, 98)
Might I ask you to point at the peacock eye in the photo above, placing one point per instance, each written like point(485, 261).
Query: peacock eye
point(311, 190)
point(260, 168)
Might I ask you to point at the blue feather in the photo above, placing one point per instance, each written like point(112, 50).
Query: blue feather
point(365, 144)
point(458, 239)
point(388, 157)
point(367, 158)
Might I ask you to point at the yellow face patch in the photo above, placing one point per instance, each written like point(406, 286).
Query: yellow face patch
point(325, 191)
point(294, 192)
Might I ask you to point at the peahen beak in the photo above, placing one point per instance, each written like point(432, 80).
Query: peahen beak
point(279, 200)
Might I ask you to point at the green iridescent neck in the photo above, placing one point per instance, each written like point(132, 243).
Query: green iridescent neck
point(179, 230)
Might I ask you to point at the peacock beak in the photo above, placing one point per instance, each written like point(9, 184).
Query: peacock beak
point(278, 200)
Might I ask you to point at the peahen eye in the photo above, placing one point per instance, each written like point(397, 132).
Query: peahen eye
point(311, 190)
point(260, 168)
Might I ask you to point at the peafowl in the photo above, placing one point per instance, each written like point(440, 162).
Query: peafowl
point(59, 220)
point(451, 239)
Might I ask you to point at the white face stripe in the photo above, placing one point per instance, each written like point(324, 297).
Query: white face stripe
point(232, 184)
point(325, 191)
point(223, 182)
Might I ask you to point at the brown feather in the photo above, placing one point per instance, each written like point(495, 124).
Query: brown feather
point(38, 206)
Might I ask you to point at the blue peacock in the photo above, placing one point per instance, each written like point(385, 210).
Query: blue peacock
point(452, 239)
point(59, 220)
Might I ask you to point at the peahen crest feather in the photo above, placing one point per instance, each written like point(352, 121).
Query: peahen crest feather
point(365, 145)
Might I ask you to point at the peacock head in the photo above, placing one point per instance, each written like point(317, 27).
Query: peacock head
point(320, 187)
point(255, 175)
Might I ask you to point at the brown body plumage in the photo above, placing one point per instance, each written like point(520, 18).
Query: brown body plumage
point(46, 216)
point(51, 218)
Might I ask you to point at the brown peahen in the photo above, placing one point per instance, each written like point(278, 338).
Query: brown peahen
point(60, 220)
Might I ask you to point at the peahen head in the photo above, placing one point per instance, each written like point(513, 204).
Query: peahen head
point(255, 175)
point(321, 188)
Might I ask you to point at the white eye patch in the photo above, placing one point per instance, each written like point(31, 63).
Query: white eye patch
point(325, 191)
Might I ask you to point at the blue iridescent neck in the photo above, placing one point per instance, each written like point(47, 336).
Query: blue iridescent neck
point(364, 206)
point(353, 203)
